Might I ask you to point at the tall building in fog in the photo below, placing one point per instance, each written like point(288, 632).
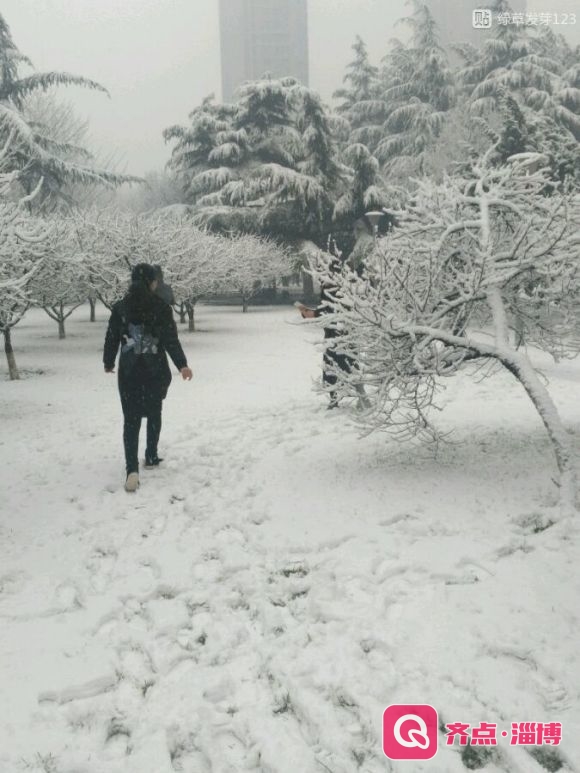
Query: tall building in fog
point(262, 36)
point(455, 18)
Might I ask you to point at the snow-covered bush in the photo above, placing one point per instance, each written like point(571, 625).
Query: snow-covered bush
point(473, 260)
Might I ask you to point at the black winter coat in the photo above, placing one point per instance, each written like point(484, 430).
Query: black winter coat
point(326, 295)
point(145, 383)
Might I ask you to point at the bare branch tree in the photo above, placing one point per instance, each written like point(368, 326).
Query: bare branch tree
point(24, 244)
point(471, 257)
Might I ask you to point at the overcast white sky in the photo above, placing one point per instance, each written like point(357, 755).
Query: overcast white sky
point(159, 58)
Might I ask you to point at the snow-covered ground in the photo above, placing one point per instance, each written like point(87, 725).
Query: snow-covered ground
point(279, 581)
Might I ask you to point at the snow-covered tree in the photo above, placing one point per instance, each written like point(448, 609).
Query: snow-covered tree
point(194, 144)
point(191, 258)
point(418, 90)
point(58, 117)
point(470, 255)
point(7, 176)
point(23, 250)
point(159, 190)
point(462, 140)
point(197, 269)
point(267, 164)
point(43, 163)
point(61, 285)
point(398, 114)
point(252, 262)
point(534, 66)
point(365, 189)
point(361, 85)
point(109, 244)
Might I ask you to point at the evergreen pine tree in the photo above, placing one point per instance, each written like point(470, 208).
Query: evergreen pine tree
point(536, 67)
point(42, 164)
point(361, 87)
point(267, 164)
point(418, 90)
point(514, 134)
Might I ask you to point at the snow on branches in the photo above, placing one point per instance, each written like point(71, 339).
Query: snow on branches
point(493, 253)
point(194, 267)
point(112, 242)
point(24, 243)
point(251, 261)
point(207, 264)
point(196, 263)
point(108, 243)
point(268, 160)
point(61, 285)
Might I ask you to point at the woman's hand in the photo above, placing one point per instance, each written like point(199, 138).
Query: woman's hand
point(186, 374)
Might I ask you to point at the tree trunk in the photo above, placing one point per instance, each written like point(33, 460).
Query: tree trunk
point(12, 369)
point(108, 305)
point(522, 369)
point(182, 313)
point(520, 329)
point(61, 330)
point(191, 317)
point(519, 366)
point(244, 304)
point(92, 304)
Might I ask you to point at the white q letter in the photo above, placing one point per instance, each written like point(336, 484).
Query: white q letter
point(418, 738)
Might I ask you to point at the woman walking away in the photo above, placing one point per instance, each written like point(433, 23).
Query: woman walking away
point(142, 325)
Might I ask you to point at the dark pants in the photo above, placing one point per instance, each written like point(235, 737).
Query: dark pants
point(332, 359)
point(131, 429)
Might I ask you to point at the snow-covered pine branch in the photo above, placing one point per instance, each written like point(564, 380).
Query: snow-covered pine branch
point(269, 157)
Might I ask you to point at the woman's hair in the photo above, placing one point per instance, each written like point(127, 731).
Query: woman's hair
point(140, 299)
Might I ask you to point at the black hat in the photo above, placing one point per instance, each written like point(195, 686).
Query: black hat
point(143, 272)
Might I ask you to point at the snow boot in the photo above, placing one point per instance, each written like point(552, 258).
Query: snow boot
point(132, 482)
point(333, 402)
point(152, 461)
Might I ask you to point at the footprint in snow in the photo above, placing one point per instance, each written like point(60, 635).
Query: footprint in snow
point(69, 596)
